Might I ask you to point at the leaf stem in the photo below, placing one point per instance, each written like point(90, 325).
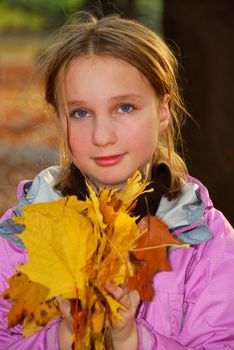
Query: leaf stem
point(76, 320)
point(160, 246)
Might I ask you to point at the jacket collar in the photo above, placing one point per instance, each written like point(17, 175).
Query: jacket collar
point(183, 215)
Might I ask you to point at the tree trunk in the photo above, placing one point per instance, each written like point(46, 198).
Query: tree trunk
point(203, 30)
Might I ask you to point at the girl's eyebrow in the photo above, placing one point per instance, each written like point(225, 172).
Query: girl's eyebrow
point(124, 97)
point(114, 98)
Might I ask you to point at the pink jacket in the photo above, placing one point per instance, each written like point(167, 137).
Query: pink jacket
point(193, 307)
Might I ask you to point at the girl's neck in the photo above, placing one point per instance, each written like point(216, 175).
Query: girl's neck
point(146, 172)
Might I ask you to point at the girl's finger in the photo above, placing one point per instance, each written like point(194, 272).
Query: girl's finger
point(65, 306)
point(130, 301)
point(116, 291)
point(135, 297)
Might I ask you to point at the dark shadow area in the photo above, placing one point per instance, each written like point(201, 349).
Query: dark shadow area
point(204, 34)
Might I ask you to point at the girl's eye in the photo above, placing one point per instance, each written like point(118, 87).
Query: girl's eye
point(125, 108)
point(80, 113)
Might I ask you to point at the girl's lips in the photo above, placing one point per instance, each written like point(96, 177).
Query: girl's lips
point(109, 160)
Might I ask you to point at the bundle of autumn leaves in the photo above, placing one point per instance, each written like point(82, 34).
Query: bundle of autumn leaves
point(77, 247)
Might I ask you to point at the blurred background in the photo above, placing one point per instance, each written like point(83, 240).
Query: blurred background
point(201, 33)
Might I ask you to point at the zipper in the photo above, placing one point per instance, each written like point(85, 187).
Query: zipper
point(189, 228)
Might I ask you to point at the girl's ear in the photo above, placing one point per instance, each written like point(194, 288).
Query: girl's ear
point(164, 113)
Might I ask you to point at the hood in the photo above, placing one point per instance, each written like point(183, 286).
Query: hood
point(183, 215)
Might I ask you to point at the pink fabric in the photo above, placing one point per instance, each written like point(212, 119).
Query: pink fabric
point(193, 307)
point(11, 339)
point(19, 193)
point(7, 214)
point(20, 188)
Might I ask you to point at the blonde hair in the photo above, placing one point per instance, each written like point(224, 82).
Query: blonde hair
point(136, 44)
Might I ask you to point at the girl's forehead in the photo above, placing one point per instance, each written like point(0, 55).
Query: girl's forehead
point(102, 78)
point(91, 67)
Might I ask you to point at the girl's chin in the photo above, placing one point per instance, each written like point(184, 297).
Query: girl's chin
point(117, 180)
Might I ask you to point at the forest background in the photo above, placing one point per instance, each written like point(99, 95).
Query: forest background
point(201, 35)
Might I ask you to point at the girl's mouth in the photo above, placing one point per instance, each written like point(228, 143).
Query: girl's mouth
point(109, 160)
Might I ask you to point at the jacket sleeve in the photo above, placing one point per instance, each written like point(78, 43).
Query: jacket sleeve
point(149, 339)
point(208, 316)
point(12, 338)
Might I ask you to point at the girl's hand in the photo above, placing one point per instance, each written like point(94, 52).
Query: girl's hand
point(124, 334)
point(66, 328)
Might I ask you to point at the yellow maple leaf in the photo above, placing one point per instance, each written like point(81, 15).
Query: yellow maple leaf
point(34, 314)
point(59, 243)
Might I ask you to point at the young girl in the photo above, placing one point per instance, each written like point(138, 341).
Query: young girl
point(112, 84)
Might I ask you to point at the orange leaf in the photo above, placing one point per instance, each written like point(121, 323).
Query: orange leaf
point(150, 255)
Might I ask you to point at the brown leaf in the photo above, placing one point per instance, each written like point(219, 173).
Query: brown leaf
point(150, 255)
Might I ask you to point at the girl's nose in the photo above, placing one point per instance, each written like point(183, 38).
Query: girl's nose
point(104, 132)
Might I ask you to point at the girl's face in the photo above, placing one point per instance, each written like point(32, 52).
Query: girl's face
point(115, 118)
